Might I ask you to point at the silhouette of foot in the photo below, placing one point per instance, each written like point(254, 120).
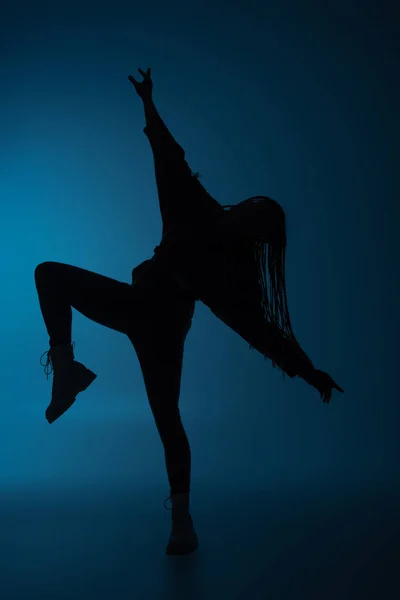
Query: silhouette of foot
point(183, 538)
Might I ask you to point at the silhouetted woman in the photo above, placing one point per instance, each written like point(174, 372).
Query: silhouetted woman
point(206, 253)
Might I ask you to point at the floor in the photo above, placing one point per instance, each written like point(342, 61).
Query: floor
point(272, 544)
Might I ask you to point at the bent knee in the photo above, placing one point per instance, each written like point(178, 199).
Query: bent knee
point(44, 268)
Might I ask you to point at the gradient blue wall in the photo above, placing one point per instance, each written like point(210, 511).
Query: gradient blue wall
point(298, 104)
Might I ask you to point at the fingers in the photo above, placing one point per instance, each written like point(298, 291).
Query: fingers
point(132, 79)
point(145, 75)
point(326, 395)
point(336, 386)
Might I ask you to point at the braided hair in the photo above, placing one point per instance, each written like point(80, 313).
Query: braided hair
point(269, 252)
point(274, 300)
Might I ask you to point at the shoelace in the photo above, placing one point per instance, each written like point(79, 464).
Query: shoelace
point(48, 367)
point(169, 498)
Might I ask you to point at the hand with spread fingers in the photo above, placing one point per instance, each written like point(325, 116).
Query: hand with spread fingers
point(144, 88)
point(325, 384)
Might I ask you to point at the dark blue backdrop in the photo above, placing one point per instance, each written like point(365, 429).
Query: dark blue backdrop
point(296, 102)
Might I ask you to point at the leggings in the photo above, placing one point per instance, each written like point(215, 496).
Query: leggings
point(157, 327)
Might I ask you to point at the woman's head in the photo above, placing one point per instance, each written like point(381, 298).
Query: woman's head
point(259, 218)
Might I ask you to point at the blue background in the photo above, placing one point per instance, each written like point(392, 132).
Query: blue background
point(294, 100)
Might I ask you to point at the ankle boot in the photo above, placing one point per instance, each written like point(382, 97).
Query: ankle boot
point(70, 378)
point(183, 538)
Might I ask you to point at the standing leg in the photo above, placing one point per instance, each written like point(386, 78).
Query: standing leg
point(160, 353)
point(161, 366)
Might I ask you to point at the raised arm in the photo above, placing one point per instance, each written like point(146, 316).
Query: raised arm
point(156, 130)
point(144, 90)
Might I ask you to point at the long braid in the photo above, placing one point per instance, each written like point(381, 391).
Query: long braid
point(275, 302)
point(273, 296)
